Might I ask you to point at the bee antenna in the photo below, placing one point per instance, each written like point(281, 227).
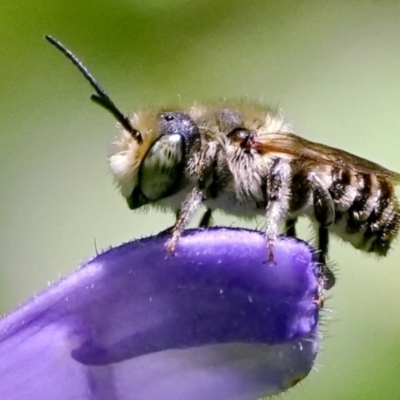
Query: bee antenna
point(101, 98)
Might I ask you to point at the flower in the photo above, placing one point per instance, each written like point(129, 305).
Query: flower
point(214, 320)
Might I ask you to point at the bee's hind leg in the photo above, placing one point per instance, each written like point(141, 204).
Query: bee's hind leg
point(323, 242)
point(324, 211)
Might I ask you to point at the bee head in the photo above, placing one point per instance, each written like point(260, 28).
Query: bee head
point(154, 168)
point(147, 159)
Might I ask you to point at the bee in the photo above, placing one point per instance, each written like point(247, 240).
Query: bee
point(246, 160)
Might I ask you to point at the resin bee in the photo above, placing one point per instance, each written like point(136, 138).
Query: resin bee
point(245, 159)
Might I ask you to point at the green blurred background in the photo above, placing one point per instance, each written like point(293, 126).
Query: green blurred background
point(334, 66)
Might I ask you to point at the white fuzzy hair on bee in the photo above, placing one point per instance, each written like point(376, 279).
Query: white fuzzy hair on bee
point(245, 160)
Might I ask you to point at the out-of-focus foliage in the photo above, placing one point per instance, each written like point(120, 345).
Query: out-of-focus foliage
point(333, 66)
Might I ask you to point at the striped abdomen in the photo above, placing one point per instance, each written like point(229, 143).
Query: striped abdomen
point(371, 221)
point(367, 212)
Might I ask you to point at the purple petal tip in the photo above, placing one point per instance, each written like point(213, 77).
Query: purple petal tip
point(213, 320)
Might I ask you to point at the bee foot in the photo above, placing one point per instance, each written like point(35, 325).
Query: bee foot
point(319, 302)
point(329, 278)
point(320, 298)
point(270, 250)
point(172, 241)
point(170, 246)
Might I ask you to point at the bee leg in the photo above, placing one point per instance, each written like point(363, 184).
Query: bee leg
point(206, 219)
point(272, 229)
point(323, 244)
point(189, 207)
point(169, 230)
point(276, 191)
point(211, 193)
point(324, 211)
point(291, 227)
point(327, 275)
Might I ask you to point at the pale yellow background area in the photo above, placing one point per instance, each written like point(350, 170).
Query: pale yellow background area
point(334, 66)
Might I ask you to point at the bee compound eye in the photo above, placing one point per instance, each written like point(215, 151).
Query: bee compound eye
point(161, 169)
point(174, 122)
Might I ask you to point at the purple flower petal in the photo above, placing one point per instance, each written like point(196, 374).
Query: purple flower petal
point(212, 321)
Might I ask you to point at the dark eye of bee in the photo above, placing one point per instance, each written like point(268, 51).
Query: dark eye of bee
point(241, 136)
point(168, 117)
point(162, 168)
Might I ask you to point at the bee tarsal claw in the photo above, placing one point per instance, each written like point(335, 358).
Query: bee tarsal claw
point(320, 299)
point(329, 278)
point(319, 302)
point(270, 250)
point(170, 246)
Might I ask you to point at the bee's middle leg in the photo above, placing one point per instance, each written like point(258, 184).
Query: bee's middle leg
point(276, 198)
point(272, 229)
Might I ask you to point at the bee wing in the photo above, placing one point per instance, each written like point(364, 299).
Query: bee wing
point(295, 146)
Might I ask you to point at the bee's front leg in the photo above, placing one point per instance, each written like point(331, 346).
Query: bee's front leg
point(189, 207)
point(206, 219)
point(290, 227)
point(211, 193)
